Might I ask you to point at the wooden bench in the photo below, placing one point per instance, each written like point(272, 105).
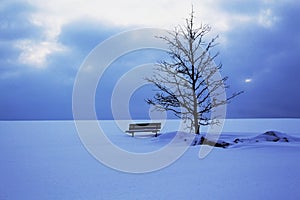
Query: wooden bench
point(144, 127)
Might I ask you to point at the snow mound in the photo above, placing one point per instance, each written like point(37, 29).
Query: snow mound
point(194, 140)
point(269, 136)
point(191, 139)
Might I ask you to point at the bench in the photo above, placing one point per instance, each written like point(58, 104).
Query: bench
point(144, 127)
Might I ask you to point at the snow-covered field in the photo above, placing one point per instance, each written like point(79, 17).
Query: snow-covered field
point(46, 160)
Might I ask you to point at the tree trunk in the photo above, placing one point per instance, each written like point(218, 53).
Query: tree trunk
point(198, 129)
point(196, 123)
point(195, 112)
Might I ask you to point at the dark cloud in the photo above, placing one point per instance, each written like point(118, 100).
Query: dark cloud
point(269, 56)
point(79, 37)
point(31, 93)
point(83, 35)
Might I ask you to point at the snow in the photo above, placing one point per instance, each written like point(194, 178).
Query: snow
point(46, 160)
point(267, 137)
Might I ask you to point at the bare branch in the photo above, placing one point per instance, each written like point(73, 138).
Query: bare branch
point(187, 85)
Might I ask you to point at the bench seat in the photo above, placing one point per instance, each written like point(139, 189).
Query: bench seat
point(144, 127)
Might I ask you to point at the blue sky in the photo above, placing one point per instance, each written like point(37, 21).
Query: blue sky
point(42, 45)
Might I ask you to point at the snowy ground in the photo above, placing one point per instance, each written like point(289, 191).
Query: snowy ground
point(46, 160)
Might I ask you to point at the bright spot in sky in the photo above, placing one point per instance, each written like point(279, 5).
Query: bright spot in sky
point(248, 80)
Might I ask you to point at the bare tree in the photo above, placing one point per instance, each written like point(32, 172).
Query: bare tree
point(186, 83)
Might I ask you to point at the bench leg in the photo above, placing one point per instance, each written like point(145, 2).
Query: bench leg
point(132, 134)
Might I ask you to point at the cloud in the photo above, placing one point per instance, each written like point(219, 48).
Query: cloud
point(35, 53)
point(158, 13)
point(43, 43)
point(26, 42)
point(46, 93)
point(268, 55)
point(266, 18)
point(84, 34)
point(115, 12)
point(15, 25)
point(54, 16)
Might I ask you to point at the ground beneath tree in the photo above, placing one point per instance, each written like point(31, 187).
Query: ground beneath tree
point(267, 137)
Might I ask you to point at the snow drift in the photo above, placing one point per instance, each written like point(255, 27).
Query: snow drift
point(269, 136)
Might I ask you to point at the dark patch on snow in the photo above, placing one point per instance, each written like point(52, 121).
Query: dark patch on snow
point(237, 140)
point(269, 136)
point(205, 141)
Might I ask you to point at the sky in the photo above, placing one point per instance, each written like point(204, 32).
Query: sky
point(43, 44)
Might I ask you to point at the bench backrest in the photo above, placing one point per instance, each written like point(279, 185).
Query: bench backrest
point(145, 126)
